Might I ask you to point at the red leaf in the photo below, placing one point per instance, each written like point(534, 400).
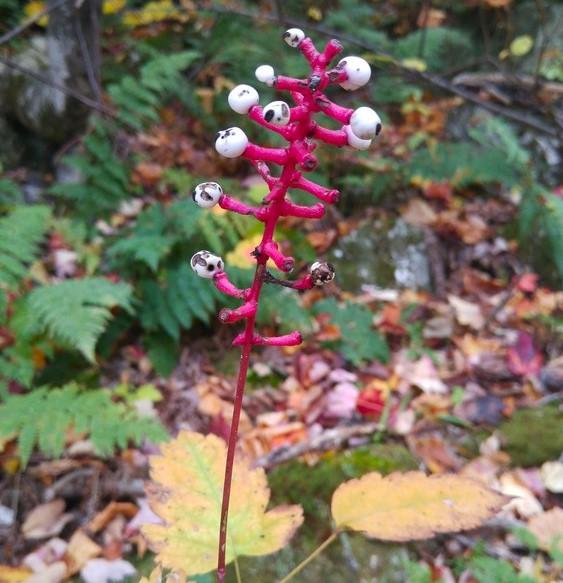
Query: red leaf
point(523, 358)
point(370, 403)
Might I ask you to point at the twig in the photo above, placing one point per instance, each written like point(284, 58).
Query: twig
point(14, 32)
point(329, 439)
point(66, 90)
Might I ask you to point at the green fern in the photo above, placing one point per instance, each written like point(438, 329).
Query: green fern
point(104, 177)
point(359, 342)
point(183, 298)
point(21, 232)
point(462, 164)
point(43, 417)
point(76, 312)
point(138, 98)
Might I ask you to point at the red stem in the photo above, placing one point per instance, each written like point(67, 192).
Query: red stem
point(309, 99)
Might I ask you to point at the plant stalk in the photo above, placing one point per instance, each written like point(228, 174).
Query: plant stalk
point(311, 557)
point(278, 190)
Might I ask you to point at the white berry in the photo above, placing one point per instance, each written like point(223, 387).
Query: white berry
point(293, 37)
point(357, 70)
point(231, 142)
point(265, 74)
point(365, 123)
point(207, 194)
point(277, 112)
point(205, 264)
point(356, 142)
point(242, 98)
point(321, 273)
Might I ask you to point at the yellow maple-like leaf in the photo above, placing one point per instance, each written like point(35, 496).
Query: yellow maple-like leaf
point(412, 506)
point(187, 482)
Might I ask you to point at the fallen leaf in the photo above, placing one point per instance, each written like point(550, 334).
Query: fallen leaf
point(104, 517)
point(54, 573)
point(548, 529)
point(419, 213)
point(104, 571)
point(523, 502)
point(186, 494)
point(45, 520)
point(422, 374)
point(420, 506)
point(467, 313)
point(523, 358)
point(552, 476)
point(81, 548)
point(13, 574)
point(341, 401)
point(370, 403)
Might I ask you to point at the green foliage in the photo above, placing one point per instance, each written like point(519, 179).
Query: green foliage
point(489, 570)
point(418, 572)
point(463, 163)
point(139, 96)
point(104, 177)
point(43, 417)
point(75, 312)
point(21, 232)
point(438, 47)
point(10, 193)
point(359, 342)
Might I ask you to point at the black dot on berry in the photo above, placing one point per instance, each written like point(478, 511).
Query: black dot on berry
point(377, 129)
point(210, 268)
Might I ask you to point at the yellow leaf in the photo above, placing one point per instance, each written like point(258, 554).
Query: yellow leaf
point(412, 506)
point(521, 45)
point(415, 64)
point(113, 6)
point(315, 13)
point(186, 493)
point(32, 9)
point(14, 574)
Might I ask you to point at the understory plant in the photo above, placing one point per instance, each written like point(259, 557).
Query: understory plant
point(197, 483)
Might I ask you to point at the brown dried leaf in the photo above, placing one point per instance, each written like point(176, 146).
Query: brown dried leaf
point(412, 506)
point(45, 520)
point(548, 529)
point(186, 494)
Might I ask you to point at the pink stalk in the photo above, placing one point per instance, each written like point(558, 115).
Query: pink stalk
point(296, 157)
point(224, 285)
point(236, 206)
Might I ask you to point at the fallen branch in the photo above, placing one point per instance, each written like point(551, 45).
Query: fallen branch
point(330, 439)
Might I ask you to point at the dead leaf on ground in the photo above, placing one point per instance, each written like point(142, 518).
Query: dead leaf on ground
point(45, 520)
point(81, 548)
point(104, 517)
point(419, 213)
point(54, 573)
point(548, 529)
point(421, 506)
point(552, 476)
point(467, 313)
point(186, 494)
point(13, 574)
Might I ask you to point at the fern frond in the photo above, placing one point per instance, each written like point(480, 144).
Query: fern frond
point(21, 232)
point(138, 98)
point(43, 417)
point(76, 312)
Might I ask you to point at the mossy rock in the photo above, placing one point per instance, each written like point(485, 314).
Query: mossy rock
point(533, 436)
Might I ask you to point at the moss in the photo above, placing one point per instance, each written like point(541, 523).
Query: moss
point(533, 436)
